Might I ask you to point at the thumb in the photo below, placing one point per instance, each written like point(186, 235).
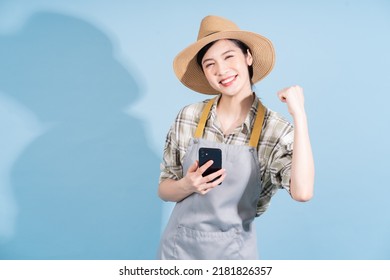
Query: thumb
point(193, 167)
point(282, 96)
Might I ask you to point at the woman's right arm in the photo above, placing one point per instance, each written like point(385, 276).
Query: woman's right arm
point(193, 181)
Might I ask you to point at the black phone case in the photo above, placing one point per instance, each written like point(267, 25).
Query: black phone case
point(206, 154)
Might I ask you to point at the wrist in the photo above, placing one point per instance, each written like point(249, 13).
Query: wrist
point(299, 117)
point(183, 186)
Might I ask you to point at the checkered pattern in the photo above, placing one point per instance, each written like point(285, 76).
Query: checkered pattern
point(274, 149)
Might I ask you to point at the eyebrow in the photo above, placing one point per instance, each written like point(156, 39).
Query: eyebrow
point(207, 59)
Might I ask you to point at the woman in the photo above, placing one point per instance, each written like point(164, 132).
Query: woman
point(213, 216)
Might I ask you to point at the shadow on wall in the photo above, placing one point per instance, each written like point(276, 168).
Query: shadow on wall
point(86, 188)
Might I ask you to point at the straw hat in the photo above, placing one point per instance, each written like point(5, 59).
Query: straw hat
point(213, 28)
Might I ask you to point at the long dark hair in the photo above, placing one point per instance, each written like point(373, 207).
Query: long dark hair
point(243, 47)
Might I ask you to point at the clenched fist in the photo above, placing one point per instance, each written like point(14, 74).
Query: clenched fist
point(293, 96)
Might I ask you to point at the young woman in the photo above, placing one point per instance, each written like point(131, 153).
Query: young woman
point(261, 151)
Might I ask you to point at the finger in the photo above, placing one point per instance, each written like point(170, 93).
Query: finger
point(204, 167)
point(193, 167)
point(298, 88)
point(209, 186)
point(217, 182)
point(203, 188)
point(214, 175)
point(282, 95)
point(203, 192)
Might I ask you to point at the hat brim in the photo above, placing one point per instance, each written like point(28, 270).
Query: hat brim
point(191, 75)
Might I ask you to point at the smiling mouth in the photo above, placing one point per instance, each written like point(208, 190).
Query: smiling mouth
point(228, 81)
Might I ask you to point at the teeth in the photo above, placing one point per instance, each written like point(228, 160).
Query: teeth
point(228, 80)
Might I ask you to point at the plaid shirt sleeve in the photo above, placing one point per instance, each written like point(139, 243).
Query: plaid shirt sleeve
point(171, 167)
point(280, 166)
point(276, 149)
point(177, 140)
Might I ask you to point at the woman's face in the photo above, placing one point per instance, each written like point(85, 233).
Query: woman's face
point(226, 68)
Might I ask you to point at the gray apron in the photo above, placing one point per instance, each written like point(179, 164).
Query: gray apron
point(218, 225)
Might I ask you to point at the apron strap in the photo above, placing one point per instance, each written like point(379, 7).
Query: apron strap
point(257, 127)
point(203, 118)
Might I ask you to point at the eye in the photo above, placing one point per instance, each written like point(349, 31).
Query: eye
point(207, 65)
point(229, 56)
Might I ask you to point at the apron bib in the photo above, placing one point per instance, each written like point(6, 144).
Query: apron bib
point(218, 225)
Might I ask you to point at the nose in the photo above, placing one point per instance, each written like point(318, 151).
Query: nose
point(221, 68)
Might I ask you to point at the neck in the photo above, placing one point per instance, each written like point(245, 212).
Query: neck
point(235, 105)
point(232, 111)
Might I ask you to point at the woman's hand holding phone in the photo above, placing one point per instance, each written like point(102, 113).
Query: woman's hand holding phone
point(197, 183)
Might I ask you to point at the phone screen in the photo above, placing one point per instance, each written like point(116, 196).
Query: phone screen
point(214, 154)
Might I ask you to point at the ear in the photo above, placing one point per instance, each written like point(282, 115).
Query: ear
point(249, 58)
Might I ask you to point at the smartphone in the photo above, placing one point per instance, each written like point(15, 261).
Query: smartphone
point(214, 154)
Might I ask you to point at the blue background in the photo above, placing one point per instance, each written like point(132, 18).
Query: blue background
point(87, 95)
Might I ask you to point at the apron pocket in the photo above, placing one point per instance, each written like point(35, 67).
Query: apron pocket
point(191, 244)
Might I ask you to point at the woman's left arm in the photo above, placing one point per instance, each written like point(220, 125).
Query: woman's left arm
point(302, 169)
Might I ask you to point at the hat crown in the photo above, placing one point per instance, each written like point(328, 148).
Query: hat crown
point(215, 24)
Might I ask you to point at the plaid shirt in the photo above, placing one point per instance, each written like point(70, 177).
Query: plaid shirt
point(274, 149)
